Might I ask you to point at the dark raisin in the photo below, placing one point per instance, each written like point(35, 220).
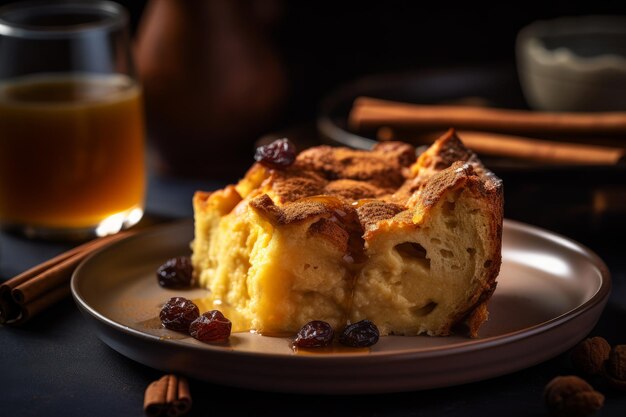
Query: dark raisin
point(178, 313)
point(363, 333)
point(175, 273)
point(314, 334)
point(211, 326)
point(279, 154)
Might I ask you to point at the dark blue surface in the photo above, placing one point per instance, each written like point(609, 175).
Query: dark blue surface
point(56, 365)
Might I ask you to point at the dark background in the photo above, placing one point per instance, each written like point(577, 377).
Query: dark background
point(339, 41)
point(325, 43)
point(57, 365)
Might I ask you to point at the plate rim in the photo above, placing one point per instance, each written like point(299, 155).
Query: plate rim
point(471, 345)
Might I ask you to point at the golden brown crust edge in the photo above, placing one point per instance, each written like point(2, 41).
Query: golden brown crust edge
point(474, 177)
point(490, 190)
point(377, 199)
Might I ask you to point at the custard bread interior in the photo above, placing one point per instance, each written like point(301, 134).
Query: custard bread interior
point(343, 235)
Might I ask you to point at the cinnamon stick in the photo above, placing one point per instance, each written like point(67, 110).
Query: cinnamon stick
point(155, 403)
point(167, 396)
point(371, 113)
point(36, 270)
point(9, 310)
point(183, 401)
point(47, 280)
point(31, 309)
point(543, 150)
point(496, 144)
point(30, 292)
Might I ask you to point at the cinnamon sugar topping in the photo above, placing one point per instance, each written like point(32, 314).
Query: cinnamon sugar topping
point(353, 190)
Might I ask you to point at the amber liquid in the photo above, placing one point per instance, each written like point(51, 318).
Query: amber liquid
point(71, 151)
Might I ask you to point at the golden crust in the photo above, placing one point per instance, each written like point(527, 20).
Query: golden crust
point(445, 151)
point(486, 187)
point(325, 180)
point(384, 183)
point(224, 201)
point(354, 190)
point(374, 211)
point(295, 184)
point(299, 211)
point(385, 174)
point(347, 196)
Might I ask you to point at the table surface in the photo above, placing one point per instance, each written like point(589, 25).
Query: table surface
point(56, 365)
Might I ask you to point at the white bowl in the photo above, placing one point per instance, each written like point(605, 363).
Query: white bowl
point(574, 63)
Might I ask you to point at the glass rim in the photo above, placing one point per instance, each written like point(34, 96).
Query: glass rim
point(111, 16)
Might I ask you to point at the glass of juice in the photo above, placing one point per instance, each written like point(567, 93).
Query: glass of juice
point(71, 120)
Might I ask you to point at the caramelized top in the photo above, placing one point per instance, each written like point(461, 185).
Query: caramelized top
point(348, 173)
point(355, 189)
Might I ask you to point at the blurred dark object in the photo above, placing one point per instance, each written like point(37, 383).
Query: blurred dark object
point(565, 198)
point(213, 82)
point(574, 63)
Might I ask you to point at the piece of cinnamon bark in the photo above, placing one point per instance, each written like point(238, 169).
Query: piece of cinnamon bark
point(167, 396)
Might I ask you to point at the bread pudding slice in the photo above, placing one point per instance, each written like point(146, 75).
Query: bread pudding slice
point(343, 235)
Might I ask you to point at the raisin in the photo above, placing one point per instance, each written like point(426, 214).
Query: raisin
point(211, 326)
point(314, 334)
point(363, 333)
point(178, 313)
point(279, 154)
point(175, 273)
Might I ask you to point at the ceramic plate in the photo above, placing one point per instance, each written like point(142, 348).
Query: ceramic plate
point(551, 291)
